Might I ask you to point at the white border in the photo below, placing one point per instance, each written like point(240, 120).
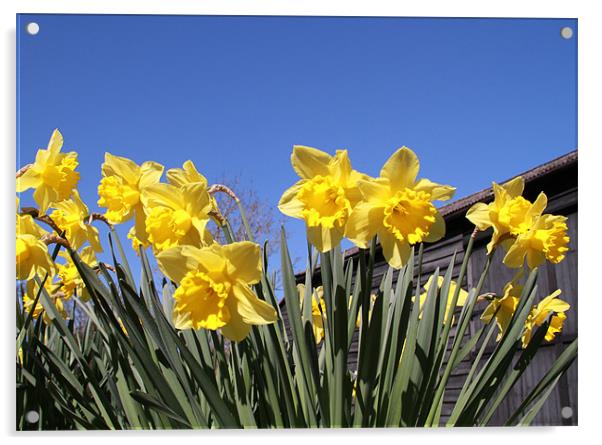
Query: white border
point(590, 145)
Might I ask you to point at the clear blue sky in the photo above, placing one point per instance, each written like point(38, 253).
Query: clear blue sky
point(477, 99)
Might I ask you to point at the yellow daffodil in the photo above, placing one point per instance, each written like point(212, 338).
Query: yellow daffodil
point(549, 305)
point(503, 308)
point(520, 227)
point(318, 310)
point(70, 215)
point(52, 175)
point(546, 239)
point(70, 280)
point(325, 195)
point(398, 209)
point(32, 253)
point(30, 296)
point(213, 288)
point(462, 296)
point(120, 188)
point(176, 215)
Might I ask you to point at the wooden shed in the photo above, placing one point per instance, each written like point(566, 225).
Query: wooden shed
point(558, 180)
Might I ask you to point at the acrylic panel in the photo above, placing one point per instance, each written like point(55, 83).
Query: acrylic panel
point(226, 222)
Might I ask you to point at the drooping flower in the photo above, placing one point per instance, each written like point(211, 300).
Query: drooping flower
point(213, 288)
point(52, 175)
point(32, 253)
point(398, 209)
point(546, 239)
point(69, 279)
point(29, 297)
point(503, 308)
point(176, 215)
point(120, 187)
point(69, 215)
point(462, 295)
point(325, 195)
point(538, 315)
point(318, 310)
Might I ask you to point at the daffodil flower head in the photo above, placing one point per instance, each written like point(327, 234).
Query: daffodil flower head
point(538, 315)
point(52, 175)
point(503, 308)
point(70, 280)
point(214, 288)
point(509, 214)
point(325, 195)
point(121, 186)
point(70, 215)
point(546, 239)
point(32, 255)
point(398, 208)
point(177, 215)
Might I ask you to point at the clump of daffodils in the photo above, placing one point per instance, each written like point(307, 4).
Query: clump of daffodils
point(214, 283)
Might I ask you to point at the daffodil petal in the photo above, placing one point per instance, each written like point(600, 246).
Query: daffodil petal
point(122, 167)
point(363, 223)
point(243, 261)
point(175, 262)
point(150, 173)
point(28, 180)
point(437, 230)
point(535, 258)
point(538, 206)
point(289, 204)
point(44, 196)
point(340, 167)
point(401, 168)
point(186, 175)
point(375, 190)
point(515, 256)
point(515, 186)
point(236, 329)
point(437, 191)
point(324, 238)
point(396, 252)
point(309, 162)
point(478, 214)
point(251, 309)
point(181, 320)
point(165, 195)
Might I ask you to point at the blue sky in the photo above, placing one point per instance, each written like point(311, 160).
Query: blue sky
point(477, 99)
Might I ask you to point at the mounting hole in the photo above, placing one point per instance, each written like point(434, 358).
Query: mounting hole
point(566, 412)
point(32, 28)
point(32, 417)
point(566, 32)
